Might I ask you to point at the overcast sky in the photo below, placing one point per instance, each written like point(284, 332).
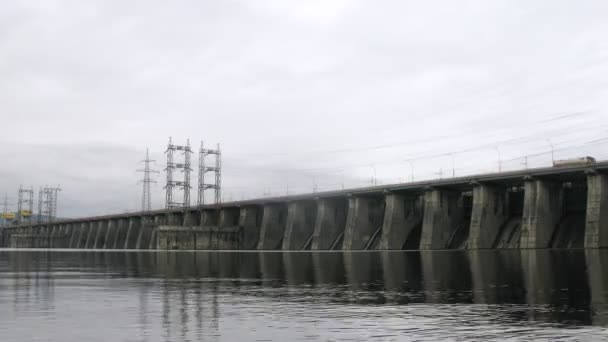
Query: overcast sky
point(326, 92)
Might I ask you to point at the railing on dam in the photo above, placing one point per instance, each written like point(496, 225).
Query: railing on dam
point(562, 207)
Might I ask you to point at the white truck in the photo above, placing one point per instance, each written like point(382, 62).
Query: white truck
point(583, 161)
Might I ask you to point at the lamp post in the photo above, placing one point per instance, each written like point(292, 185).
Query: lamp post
point(412, 167)
point(552, 150)
point(499, 159)
point(375, 179)
point(453, 165)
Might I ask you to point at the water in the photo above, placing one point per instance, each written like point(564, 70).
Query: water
point(303, 296)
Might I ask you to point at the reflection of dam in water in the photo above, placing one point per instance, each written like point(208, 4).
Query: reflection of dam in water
point(565, 207)
point(539, 285)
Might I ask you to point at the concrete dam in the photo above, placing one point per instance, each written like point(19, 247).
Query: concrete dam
point(553, 207)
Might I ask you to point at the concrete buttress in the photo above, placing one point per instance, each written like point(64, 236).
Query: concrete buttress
point(249, 222)
point(489, 213)
point(110, 235)
point(596, 225)
point(402, 214)
point(330, 222)
point(93, 228)
point(542, 212)
point(83, 234)
point(273, 227)
point(101, 234)
point(442, 213)
point(132, 234)
point(300, 224)
point(365, 216)
point(122, 225)
point(74, 231)
point(229, 217)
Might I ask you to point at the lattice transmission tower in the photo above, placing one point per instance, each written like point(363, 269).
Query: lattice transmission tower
point(185, 168)
point(204, 168)
point(47, 204)
point(146, 196)
point(25, 205)
point(5, 213)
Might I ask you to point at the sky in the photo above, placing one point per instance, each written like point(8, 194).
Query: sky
point(302, 95)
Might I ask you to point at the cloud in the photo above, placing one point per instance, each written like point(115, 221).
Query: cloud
point(87, 86)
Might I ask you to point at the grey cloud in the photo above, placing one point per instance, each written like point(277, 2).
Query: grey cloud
point(86, 86)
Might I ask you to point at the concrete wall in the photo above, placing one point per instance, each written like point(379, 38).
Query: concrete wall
point(210, 218)
point(110, 235)
point(542, 212)
point(250, 220)
point(443, 211)
point(382, 221)
point(199, 238)
point(122, 227)
point(330, 222)
point(596, 225)
point(229, 217)
point(132, 233)
point(175, 237)
point(273, 226)
point(300, 224)
point(402, 215)
point(489, 213)
point(102, 230)
point(37, 241)
point(365, 216)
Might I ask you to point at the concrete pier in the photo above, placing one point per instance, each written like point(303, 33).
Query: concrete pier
point(365, 216)
point(144, 237)
point(229, 217)
point(122, 226)
point(402, 215)
point(443, 211)
point(73, 231)
point(556, 207)
point(92, 233)
point(596, 225)
point(175, 238)
point(210, 218)
point(250, 220)
point(132, 233)
point(273, 226)
point(488, 215)
point(542, 212)
point(100, 235)
point(300, 225)
point(84, 234)
point(110, 235)
point(330, 222)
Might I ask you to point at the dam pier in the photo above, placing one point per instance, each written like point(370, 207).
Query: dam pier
point(553, 207)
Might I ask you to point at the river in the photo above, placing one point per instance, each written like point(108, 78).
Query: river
point(72, 295)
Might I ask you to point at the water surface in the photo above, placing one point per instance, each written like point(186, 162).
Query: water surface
point(303, 296)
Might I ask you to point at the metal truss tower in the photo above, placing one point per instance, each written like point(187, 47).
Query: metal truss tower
point(5, 211)
point(203, 169)
point(40, 205)
point(185, 168)
point(25, 205)
point(47, 204)
point(146, 198)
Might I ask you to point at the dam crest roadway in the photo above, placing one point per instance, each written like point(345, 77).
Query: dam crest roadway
point(552, 207)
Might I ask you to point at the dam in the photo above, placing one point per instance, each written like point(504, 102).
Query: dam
point(552, 207)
